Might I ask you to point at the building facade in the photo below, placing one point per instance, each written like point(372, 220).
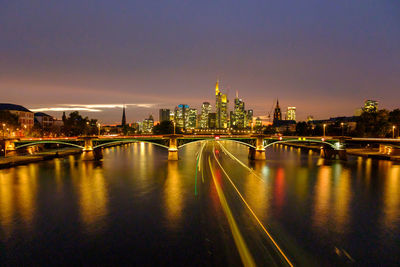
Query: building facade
point(291, 113)
point(221, 108)
point(25, 116)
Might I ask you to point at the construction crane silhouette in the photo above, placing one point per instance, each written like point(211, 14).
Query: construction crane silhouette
point(270, 111)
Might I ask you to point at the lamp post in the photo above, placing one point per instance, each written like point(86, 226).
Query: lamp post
point(324, 128)
point(98, 126)
point(4, 125)
point(394, 127)
point(174, 126)
point(341, 125)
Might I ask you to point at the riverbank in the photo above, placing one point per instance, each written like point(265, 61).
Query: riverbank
point(360, 152)
point(371, 153)
point(11, 161)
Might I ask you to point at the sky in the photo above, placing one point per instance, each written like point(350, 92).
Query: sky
point(323, 57)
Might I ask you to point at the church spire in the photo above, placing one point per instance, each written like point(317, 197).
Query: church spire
point(123, 123)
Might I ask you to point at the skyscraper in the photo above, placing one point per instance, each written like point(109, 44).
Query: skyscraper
point(205, 110)
point(191, 119)
point(249, 118)
point(181, 112)
point(123, 122)
point(238, 117)
point(164, 114)
point(148, 124)
point(221, 108)
point(291, 113)
point(277, 112)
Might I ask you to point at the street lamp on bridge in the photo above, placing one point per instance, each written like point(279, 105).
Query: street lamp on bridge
point(341, 125)
point(394, 127)
point(324, 128)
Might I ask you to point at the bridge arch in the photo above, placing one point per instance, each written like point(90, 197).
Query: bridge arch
point(127, 142)
point(302, 141)
point(48, 142)
point(239, 142)
point(223, 139)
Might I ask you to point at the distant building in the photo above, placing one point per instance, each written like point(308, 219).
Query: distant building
point(205, 111)
point(164, 114)
point(277, 112)
point(46, 121)
point(283, 126)
point(25, 116)
point(291, 113)
point(258, 123)
point(371, 106)
point(172, 115)
point(123, 121)
point(212, 120)
point(249, 118)
point(310, 118)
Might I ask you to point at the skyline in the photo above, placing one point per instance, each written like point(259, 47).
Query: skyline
point(324, 58)
point(152, 109)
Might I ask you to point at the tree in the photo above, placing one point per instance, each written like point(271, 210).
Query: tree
point(302, 128)
point(394, 117)
point(318, 130)
point(76, 125)
point(8, 118)
point(373, 124)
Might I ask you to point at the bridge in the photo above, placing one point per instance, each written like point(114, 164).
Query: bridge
point(91, 146)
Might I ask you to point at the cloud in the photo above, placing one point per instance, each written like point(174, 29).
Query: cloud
point(89, 107)
point(65, 109)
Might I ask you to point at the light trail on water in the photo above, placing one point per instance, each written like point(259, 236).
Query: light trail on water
point(252, 212)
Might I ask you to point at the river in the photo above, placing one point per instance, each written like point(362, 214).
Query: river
point(213, 206)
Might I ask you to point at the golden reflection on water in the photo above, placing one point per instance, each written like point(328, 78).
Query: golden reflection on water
point(258, 192)
point(302, 184)
point(392, 198)
point(322, 196)
point(342, 200)
point(18, 189)
point(173, 195)
point(6, 202)
point(92, 196)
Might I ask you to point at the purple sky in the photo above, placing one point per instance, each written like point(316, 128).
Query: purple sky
point(324, 57)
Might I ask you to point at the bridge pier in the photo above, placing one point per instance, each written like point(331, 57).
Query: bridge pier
point(329, 153)
point(173, 148)
point(8, 146)
point(88, 153)
point(258, 153)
